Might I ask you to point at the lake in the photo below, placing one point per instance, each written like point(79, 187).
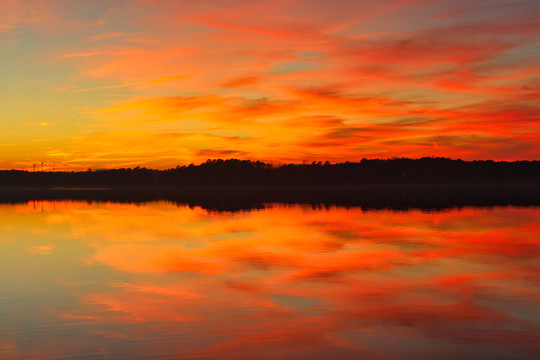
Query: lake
point(150, 280)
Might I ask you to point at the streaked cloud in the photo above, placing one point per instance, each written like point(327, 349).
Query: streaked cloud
point(39, 123)
point(67, 56)
point(398, 76)
point(40, 249)
point(158, 80)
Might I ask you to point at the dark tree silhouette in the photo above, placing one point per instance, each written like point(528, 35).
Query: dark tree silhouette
point(426, 183)
point(232, 172)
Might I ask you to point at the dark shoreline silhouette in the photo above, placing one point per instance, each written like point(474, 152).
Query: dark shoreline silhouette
point(246, 198)
point(234, 185)
point(233, 172)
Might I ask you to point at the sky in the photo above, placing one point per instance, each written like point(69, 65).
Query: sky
point(124, 83)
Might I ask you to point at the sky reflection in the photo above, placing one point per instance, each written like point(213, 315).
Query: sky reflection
point(108, 280)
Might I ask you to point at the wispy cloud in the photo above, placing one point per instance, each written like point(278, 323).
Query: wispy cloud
point(67, 56)
point(395, 74)
point(151, 81)
point(43, 123)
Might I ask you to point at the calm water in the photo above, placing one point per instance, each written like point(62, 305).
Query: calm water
point(123, 281)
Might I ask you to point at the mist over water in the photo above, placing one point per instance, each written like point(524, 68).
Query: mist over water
point(110, 280)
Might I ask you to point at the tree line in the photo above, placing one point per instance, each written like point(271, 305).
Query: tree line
point(231, 172)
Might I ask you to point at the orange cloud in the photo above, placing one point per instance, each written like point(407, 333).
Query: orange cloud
point(151, 81)
point(399, 76)
point(67, 56)
point(39, 123)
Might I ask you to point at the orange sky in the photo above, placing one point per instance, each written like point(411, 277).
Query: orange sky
point(104, 84)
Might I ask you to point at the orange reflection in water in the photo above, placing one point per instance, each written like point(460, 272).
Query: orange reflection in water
point(109, 280)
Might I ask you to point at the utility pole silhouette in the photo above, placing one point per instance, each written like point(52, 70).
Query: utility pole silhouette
point(34, 167)
point(42, 167)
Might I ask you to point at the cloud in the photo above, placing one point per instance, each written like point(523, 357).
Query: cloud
point(245, 81)
point(109, 36)
point(151, 81)
point(39, 123)
point(15, 13)
point(213, 153)
point(396, 74)
point(41, 249)
point(67, 56)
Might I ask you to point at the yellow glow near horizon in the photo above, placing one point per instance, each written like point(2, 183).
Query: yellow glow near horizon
point(155, 83)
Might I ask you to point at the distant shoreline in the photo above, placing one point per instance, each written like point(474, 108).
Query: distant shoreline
point(242, 198)
point(233, 172)
point(233, 185)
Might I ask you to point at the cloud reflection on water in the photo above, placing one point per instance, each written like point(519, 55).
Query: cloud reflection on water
point(285, 282)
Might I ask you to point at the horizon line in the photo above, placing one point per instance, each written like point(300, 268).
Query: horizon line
point(272, 164)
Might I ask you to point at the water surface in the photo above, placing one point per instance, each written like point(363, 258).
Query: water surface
point(103, 280)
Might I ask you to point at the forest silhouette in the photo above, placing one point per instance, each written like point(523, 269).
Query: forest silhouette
point(235, 185)
point(232, 172)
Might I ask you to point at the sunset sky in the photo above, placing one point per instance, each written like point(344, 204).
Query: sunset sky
point(156, 83)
